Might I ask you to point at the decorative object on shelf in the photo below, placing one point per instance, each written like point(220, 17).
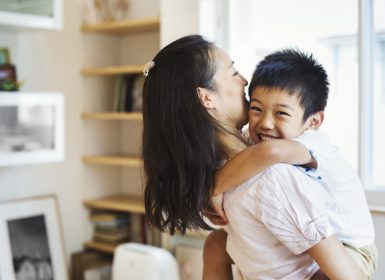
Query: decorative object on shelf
point(8, 80)
point(98, 11)
point(4, 56)
point(31, 240)
point(31, 128)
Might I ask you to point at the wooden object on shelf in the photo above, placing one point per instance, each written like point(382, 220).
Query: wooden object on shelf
point(123, 203)
point(134, 116)
point(113, 160)
point(112, 70)
point(126, 26)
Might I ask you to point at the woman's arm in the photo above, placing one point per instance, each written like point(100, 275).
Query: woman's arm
point(334, 260)
point(257, 158)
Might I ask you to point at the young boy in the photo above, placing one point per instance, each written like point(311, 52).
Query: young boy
point(288, 94)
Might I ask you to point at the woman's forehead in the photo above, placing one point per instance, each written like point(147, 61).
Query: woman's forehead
point(222, 58)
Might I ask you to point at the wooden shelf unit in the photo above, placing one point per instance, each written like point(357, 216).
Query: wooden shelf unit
point(124, 27)
point(114, 160)
point(123, 203)
point(112, 116)
point(112, 70)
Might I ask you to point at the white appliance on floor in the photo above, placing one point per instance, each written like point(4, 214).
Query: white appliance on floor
point(133, 261)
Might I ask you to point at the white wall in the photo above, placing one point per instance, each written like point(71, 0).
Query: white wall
point(51, 61)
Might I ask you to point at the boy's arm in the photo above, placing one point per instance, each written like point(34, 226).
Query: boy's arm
point(254, 160)
point(257, 158)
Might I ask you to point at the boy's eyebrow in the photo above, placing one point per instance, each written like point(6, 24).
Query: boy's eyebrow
point(278, 104)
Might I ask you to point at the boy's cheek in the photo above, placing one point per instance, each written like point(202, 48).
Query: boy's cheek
point(254, 137)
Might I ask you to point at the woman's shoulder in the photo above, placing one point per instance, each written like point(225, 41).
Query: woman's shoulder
point(283, 182)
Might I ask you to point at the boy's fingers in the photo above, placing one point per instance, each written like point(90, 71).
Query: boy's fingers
point(221, 213)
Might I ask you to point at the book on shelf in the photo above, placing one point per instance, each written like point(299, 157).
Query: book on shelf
point(137, 94)
point(117, 227)
point(128, 93)
point(112, 235)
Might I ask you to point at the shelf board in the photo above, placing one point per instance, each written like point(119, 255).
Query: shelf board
point(113, 160)
point(113, 70)
point(124, 27)
point(134, 116)
point(100, 246)
point(124, 203)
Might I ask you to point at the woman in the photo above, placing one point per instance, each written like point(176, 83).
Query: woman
point(194, 107)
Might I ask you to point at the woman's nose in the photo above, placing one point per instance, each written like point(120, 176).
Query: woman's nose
point(243, 79)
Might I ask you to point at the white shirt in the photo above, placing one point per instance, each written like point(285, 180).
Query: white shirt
point(347, 208)
point(273, 219)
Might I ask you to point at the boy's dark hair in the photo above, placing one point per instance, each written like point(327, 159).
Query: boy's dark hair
point(297, 73)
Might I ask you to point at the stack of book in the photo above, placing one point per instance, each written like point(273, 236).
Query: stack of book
point(111, 227)
point(128, 93)
point(118, 227)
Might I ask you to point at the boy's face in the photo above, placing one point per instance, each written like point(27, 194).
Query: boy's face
point(275, 114)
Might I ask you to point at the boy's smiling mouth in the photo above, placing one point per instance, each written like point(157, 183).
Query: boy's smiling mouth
point(265, 137)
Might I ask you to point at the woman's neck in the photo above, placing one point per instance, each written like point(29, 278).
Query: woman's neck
point(232, 143)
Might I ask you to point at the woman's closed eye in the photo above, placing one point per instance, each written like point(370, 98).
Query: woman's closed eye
point(255, 108)
point(235, 73)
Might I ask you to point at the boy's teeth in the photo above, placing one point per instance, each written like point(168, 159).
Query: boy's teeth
point(264, 137)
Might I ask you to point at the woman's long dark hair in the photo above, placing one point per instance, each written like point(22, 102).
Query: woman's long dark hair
point(180, 145)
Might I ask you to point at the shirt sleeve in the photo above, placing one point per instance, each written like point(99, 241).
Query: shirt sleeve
point(321, 148)
point(292, 208)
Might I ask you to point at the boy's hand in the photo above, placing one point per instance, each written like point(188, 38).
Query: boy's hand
point(216, 202)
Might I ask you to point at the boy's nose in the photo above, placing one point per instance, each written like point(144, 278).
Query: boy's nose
point(266, 122)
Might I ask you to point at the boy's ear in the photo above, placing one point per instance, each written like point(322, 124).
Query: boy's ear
point(316, 120)
point(206, 97)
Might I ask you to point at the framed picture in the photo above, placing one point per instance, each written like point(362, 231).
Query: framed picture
point(31, 241)
point(31, 128)
point(47, 14)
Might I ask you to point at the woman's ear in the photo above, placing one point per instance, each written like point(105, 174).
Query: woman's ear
point(316, 120)
point(206, 97)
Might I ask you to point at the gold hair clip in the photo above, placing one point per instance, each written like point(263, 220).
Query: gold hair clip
point(147, 67)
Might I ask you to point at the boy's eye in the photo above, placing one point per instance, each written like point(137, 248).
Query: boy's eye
point(280, 113)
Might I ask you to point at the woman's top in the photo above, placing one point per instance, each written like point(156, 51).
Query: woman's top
point(273, 219)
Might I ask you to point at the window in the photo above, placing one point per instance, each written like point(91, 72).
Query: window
point(378, 139)
point(329, 30)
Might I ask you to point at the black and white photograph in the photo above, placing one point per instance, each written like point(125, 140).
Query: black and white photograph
point(31, 128)
point(31, 240)
point(30, 249)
